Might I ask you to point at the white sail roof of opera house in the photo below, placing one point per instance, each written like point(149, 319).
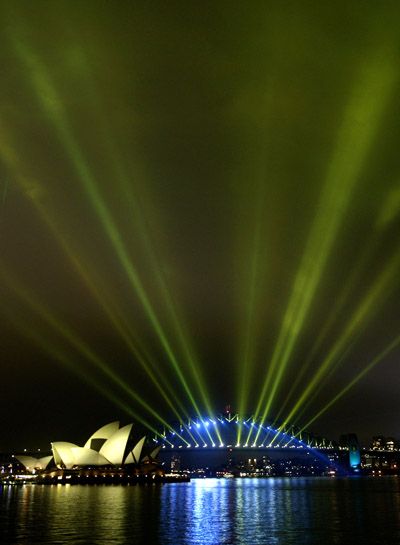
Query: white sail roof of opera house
point(105, 432)
point(31, 463)
point(88, 457)
point(114, 448)
point(107, 446)
point(63, 455)
point(134, 456)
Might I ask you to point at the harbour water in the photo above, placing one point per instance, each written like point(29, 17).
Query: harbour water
point(274, 511)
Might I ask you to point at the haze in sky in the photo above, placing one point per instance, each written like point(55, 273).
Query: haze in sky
point(199, 206)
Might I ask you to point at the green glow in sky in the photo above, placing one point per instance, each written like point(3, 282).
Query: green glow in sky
point(202, 207)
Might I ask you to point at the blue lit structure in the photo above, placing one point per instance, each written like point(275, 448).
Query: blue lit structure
point(222, 432)
point(232, 441)
point(353, 445)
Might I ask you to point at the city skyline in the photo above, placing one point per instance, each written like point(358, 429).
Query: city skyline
point(199, 207)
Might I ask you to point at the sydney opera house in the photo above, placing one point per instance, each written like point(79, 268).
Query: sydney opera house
point(110, 446)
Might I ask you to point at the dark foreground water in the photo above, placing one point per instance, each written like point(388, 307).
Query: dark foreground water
point(244, 511)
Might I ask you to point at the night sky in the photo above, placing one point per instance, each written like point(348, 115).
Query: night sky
point(198, 200)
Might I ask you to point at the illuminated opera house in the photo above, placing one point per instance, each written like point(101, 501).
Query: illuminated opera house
point(110, 446)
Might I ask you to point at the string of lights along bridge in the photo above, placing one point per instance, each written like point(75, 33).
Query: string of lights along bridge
point(222, 431)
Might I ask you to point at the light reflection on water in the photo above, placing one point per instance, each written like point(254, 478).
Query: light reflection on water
point(206, 512)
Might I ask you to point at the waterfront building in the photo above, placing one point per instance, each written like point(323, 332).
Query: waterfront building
point(379, 442)
point(109, 446)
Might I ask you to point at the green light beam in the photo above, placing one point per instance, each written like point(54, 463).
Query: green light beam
point(325, 379)
point(341, 359)
point(143, 358)
point(356, 379)
point(55, 352)
point(360, 123)
point(125, 183)
point(247, 353)
point(75, 341)
point(5, 192)
point(385, 216)
point(54, 110)
point(368, 304)
point(338, 306)
point(181, 335)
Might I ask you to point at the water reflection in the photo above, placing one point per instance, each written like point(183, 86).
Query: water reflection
point(206, 512)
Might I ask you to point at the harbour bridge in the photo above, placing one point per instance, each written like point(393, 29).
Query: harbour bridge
point(236, 432)
point(229, 439)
